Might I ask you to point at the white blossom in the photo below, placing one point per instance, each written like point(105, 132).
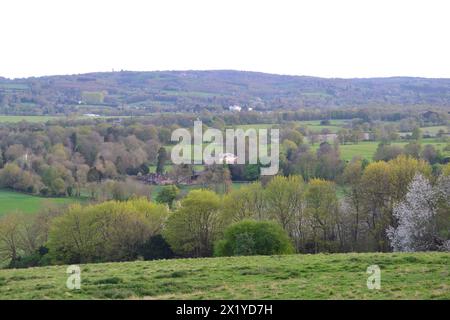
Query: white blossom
point(415, 215)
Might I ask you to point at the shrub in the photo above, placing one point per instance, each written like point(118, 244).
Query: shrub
point(36, 259)
point(156, 248)
point(250, 237)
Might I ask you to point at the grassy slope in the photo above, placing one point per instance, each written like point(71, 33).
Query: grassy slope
point(334, 276)
point(14, 201)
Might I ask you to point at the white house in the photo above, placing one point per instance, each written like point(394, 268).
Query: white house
point(227, 158)
point(235, 108)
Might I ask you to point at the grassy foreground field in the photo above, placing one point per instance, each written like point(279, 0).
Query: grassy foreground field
point(321, 276)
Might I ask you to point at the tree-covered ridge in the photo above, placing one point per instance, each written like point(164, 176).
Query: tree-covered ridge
point(161, 91)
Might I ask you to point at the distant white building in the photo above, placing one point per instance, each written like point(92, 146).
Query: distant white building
point(235, 108)
point(92, 115)
point(227, 158)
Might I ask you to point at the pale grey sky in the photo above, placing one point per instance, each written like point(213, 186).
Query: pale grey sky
point(328, 38)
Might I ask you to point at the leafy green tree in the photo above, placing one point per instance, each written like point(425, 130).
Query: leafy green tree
point(52, 178)
point(304, 162)
point(193, 228)
point(216, 177)
point(323, 215)
point(430, 154)
point(416, 133)
point(168, 195)
point(377, 212)
point(12, 176)
point(329, 163)
point(9, 175)
point(251, 172)
point(247, 202)
point(285, 199)
point(161, 160)
point(109, 231)
point(413, 149)
point(292, 135)
point(10, 233)
point(387, 152)
point(284, 196)
point(403, 169)
point(353, 194)
point(250, 237)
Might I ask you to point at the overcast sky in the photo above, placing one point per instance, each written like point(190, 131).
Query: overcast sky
point(328, 38)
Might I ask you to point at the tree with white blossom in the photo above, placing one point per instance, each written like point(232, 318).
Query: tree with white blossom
point(416, 217)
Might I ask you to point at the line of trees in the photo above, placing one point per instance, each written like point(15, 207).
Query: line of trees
point(397, 205)
point(63, 158)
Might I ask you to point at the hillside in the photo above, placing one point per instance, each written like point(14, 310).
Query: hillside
point(167, 91)
point(331, 276)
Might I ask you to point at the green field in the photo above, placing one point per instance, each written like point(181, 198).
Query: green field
point(43, 119)
point(367, 149)
point(313, 125)
point(256, 126)
point(321, 276)
point(434, 129)
point(11, 201)
point(364, 149)
point(34, 119)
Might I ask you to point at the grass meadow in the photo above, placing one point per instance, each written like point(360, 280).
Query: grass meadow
point(11, 201)
point(34, 119)
point(300, 276)
point(367, 149)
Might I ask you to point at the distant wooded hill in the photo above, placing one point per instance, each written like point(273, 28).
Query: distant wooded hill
point(195, 91)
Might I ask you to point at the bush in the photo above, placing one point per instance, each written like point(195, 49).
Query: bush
point(36, 259)
point(156, 248)
point(250, 237)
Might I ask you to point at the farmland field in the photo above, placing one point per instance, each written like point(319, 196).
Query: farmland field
point(43, 119)
point(19, 202)
point(38, 119)
point(313, 125)
point(434, 129)
point(321, 276)
point(366, 149)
